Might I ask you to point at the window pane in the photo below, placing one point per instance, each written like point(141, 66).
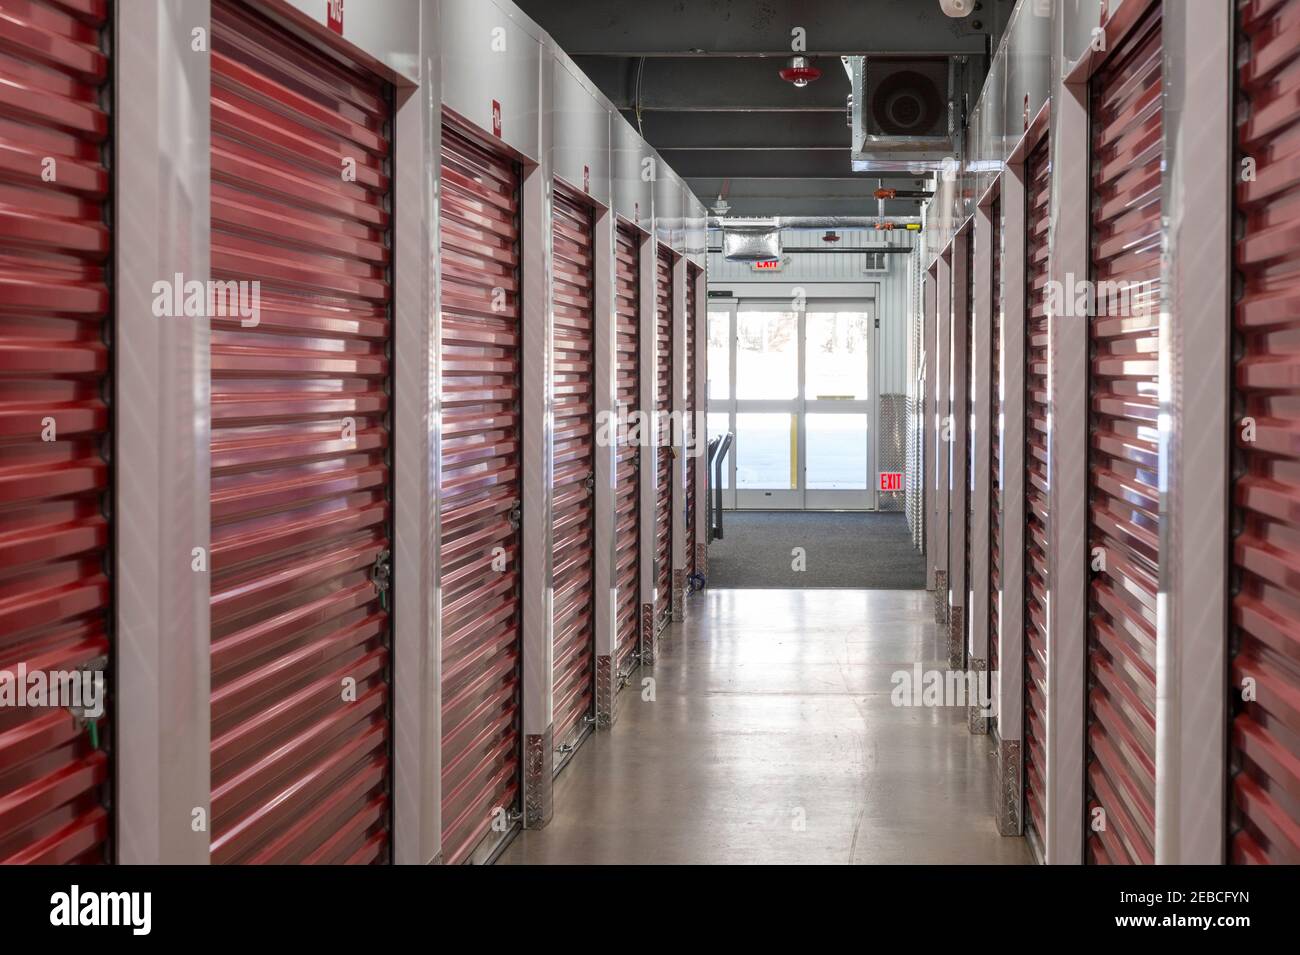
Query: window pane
point(763, 449)
point(719, 422)
point(837, 355)
point(719, 355)
point(837, 452)
point(767, 355)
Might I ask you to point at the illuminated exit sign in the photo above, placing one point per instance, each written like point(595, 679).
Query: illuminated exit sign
point(773, 266)
point(891, 480)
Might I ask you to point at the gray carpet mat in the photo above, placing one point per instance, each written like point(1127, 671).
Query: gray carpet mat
point(859, 551)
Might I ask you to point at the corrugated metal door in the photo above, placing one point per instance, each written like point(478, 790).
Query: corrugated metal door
point(1038, 194)
point(54, 421)
point(300, 452)
point(574, 478)
point(1265, 738)
point(481, 503)
point(627, 528)
point(663, 405)
point(995, 439)
point(692, 271)
point(1123, 490)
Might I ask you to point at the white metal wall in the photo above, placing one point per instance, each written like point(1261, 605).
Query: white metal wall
point(893, 294)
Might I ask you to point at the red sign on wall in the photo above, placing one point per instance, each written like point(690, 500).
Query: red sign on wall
point(496, 119)
point(334, 15)
point(891, 480)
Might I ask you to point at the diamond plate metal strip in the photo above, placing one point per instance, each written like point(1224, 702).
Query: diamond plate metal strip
point(648, 634)
point(1009, 815)
point(539, 782)
point(977, 721)
point(891, 447)
point(956, 638)
point(941, 597)
point(606, 687)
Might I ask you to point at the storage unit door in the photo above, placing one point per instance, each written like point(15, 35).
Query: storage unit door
point(663, 405)
point(1038, 193)
point(1265, 738)
point(574, 478)
point(300, 451)
point(995, 441)
point(627, 521)
point(54, 422)
point(1123, 490)
point(480, 493)
point(692, 271)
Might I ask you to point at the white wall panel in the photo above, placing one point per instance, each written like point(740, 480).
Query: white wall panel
point(387, 30)
point(630, 162)
point(491, 54)
point(580, 146)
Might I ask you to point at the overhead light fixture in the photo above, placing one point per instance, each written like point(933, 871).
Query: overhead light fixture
point(800, 71)
point(957, 8)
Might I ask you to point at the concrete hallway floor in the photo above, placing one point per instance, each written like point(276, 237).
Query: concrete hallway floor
point(772, 739)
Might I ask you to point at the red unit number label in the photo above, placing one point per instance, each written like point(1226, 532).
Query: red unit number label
point(334, 15)
point(891, 480)
point(496, 119)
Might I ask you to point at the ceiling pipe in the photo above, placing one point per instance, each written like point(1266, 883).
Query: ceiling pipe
point(812, 223)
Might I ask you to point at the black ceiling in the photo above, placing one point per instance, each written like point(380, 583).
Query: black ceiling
point(699, 79)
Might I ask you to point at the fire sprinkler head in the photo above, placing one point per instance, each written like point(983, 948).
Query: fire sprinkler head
point(830, 236)
point(800, 72)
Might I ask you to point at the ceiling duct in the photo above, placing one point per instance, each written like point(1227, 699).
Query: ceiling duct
point(752, 242)
point(810, 224)
point(902, 112)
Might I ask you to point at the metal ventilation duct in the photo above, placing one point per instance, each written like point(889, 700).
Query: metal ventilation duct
point(902, 113)
point(752, 243)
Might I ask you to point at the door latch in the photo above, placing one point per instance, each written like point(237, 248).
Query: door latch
point(91, 692)
point(516, 516)
point(591, 482)
point(381, 574)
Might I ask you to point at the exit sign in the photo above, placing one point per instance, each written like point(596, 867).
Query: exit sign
point(773, 265)
point(891, 480)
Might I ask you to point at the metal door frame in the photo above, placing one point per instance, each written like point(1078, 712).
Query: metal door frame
point(800, 497)
point(163, 456)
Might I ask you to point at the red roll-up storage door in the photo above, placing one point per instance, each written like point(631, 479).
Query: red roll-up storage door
point(574, 481)
point(995, 439)
point(1265, 738)
point(300, 445)
point(692, 272)
point(627, 527)
point(1123, 490)
point(54, 420)
point(1038, 193)
point(481, 503)
point(663, 405)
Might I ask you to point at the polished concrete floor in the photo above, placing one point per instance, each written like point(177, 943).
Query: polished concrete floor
point(771, 738)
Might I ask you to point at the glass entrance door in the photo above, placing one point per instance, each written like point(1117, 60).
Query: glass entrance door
point(797, 388)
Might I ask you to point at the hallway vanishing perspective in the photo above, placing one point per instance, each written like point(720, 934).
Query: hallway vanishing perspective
point(772, 738)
